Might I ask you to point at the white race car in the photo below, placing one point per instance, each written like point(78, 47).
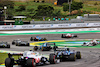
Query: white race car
point(92, 43)
point(68, 35)
point(30, 59)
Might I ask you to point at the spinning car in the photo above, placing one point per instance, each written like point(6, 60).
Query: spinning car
point(4, 45)
point(45, 47)
point(68, 35)
point(30, 59)
point(66, 54)
point(92, 43)
point(37, 38)
point(20, 43)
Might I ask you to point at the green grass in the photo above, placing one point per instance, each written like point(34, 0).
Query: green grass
point(3, 56)
point(87, 6)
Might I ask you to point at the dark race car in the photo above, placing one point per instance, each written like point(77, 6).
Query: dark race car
point(37, 38)
point(65, 54)
point(20, 43)
point(68, 35)
point(45, 46)
point(30, 59)
point(4, 45)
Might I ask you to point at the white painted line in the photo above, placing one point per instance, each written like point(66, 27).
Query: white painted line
point(56, 30)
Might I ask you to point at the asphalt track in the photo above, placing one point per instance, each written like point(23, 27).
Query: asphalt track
point(90, 56)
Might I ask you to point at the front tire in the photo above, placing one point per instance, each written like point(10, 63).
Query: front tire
point(9, 62)
point(78, 55)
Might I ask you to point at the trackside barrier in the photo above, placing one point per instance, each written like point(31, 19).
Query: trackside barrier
point(44, 26)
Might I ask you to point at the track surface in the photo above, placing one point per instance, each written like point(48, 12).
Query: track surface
point(90, 56)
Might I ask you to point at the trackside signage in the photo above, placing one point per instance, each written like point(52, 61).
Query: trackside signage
point(40, 26)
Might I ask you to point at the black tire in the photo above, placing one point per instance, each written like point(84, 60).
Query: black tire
point(78, 55)
point(75, 35)
point(62, 36)
point(35, 48)
point(31, 62)
point(45, 39)
point(94, 44)
point(8, 46)
point(28, 44)
point(13, 43)
point(17, 44)
point(31, 39)
point(72, 57)
point(36, 40)
point(52, 59)
point(9, 62)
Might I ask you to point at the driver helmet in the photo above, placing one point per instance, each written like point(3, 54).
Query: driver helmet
point(30, 50)
point(68, 49)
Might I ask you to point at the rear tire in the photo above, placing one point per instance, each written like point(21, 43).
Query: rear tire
point(75, 35)
point(9, 62)
point(72, 57)
point(31, 39)
point(52, 59)
point(13, 43)
point(78, 55)
point(31, 63)
point(45, 39)
point(62, 36)
point(8, 46)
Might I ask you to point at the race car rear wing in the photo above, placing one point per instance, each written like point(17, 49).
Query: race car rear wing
point(51, 43)
point(61, 49)
point(14, 54)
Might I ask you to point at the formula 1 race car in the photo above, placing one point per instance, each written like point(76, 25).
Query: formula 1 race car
point(92, 43)
point(65, 54)
point(30, 59)
point(45, 47)
point(68, 35)
point(37, 38)
point(20, 43)
point(4, 45)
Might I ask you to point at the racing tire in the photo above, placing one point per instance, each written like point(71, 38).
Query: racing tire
point(31, 62)
point(94, 44)
point(13, 43)
point(75, 35)
point(45, 39)
point(78, 55)
point(36, 40)
point(62, 36)
point(52, 59)
point(9, 62)
point(8, 46)
point(31, 39)
point(35, 48)
point(72, 57)
point(17, 44)
point(28, 44)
